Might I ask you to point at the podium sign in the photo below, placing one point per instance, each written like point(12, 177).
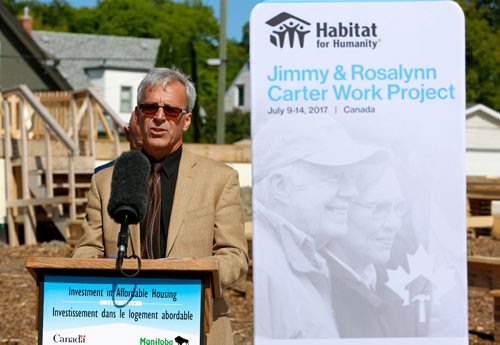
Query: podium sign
point(88, 301)
point(97, 310)
point(358, 160)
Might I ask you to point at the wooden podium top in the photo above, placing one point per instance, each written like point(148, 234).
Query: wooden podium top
point(36, 264)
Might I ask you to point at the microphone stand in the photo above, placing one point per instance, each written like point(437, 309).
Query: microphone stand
point(122, 248)
point(122, 241)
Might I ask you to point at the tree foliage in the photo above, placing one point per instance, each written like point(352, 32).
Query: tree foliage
point(482, 19)
point(54, 16)
point(237, 126)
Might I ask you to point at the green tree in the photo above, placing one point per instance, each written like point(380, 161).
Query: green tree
point(482, 52)
point(187, 31)
point(245, 41)
point(237, 126)
point(54, 16)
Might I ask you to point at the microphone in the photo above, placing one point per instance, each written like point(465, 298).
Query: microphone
point(129, 194)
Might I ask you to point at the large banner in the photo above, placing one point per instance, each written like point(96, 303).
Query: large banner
point(358, 152)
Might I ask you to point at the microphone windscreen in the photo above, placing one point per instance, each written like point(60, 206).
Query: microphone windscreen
point(129, 187)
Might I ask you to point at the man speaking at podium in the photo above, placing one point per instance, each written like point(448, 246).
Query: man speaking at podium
point(201, 215)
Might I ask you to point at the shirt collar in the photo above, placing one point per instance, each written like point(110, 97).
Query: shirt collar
point(170, 163)
point(368, 277)
point(299, 248)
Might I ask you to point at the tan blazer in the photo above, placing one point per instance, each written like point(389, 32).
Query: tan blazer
point(206, 222)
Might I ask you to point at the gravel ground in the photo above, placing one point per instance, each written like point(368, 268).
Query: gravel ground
point(17, 305)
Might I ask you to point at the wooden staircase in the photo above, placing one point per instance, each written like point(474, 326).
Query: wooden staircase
point(49, 149)
point(57, 214)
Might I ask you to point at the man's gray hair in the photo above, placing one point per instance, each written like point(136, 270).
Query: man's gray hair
point(163, 76)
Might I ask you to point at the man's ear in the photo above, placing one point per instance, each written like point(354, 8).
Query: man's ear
point(187, 121)
point(280, 187)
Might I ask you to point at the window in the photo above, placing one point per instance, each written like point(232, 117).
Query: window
point(240, 95)
point(126, 99)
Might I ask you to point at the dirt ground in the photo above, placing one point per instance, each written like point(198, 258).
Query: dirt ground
point(481, 319)
point(17, 302)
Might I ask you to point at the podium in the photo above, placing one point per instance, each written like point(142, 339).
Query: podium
point(169, 302)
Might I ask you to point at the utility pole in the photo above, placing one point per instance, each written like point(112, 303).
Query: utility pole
point(221, 115)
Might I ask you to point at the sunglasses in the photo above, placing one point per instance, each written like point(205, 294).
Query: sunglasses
point(169, 111)
point(382, 210)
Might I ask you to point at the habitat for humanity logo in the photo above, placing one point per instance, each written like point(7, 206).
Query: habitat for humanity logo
point(286, 28)
point(290, 29)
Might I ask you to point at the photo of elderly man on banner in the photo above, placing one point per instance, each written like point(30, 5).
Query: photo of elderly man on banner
point(303, 189)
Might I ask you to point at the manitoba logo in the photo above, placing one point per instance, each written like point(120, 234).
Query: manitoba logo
point(159, 341)
point(287, 27)
point(181, 341)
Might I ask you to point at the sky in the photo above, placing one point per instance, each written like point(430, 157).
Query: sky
point(238, 12)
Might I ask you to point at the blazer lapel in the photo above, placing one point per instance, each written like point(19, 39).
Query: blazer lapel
point(182, 197)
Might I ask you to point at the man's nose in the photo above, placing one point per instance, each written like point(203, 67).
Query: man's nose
point(160, 115)
point(393, 220)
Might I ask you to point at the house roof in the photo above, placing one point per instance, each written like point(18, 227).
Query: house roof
point(76, 53)
point(242, 73)
point(30, 51)
point(475, 109)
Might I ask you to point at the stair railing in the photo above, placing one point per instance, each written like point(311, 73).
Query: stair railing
point(90, 115)
point(20, 107)
point(67, 122)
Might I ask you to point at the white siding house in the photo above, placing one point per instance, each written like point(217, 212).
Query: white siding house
point(112, 65)
point(118, 86)
point(483, 141)
point(238, 94)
